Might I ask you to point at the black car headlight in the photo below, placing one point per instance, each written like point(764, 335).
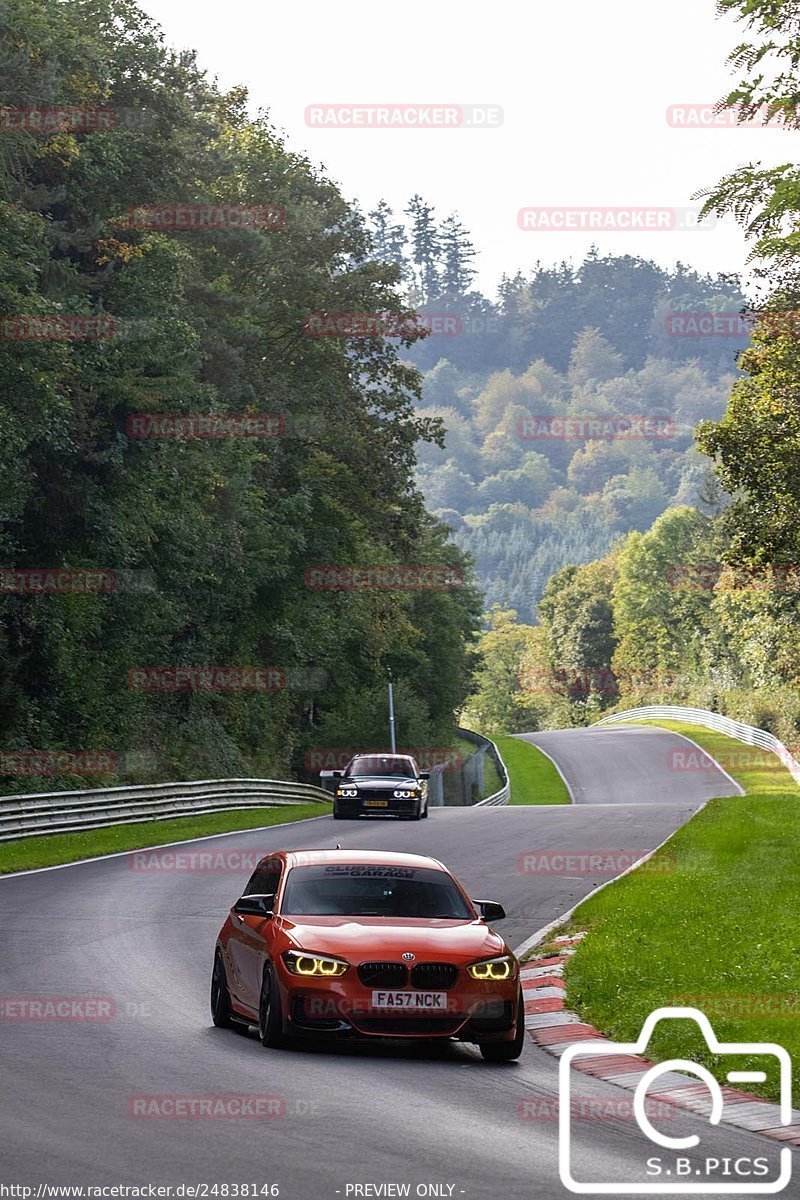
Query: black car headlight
point(405, 793)
point(302, 962)
point(493, 970)
point(348, 793)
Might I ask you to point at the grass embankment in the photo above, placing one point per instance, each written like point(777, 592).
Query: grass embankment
point(52, 849)
point(714, 924)
point(534, 778)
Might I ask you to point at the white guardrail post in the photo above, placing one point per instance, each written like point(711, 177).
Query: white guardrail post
point(749, 734)
point(62, 812)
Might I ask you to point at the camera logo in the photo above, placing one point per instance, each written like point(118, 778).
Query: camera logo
point(700, 1174)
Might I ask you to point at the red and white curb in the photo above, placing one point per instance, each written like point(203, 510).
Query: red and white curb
point(553, 1027)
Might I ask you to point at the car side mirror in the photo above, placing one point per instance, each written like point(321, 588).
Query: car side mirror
point(490, 910)
point(254, 906)
point(424, 775)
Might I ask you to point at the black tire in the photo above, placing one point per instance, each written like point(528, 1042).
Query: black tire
point(507, 1051)
point(270, 1013)
point(425, 813)
point(221, 1012)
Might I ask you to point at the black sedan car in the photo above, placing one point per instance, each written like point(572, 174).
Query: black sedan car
point(383, 784)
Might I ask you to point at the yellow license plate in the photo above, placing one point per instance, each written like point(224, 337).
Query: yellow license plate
point(376, 803)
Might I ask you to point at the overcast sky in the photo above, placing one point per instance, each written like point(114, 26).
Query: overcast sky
point(584, 89)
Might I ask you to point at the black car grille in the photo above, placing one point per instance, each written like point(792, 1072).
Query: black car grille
point(434, 976)
point(383, 974)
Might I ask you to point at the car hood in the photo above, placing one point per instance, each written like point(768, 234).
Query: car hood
point(380, 783)
point(362, 938)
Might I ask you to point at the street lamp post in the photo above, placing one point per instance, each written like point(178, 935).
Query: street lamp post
point(391, 712)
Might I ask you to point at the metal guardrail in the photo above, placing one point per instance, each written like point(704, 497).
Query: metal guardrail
point(62, 812)
point(748, 734)
point(486, 746)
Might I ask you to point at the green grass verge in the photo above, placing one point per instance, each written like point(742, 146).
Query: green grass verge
point(714, 924)
point(51, 849)
point(534, 779)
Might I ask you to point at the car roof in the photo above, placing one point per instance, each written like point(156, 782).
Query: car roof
point(313, 858)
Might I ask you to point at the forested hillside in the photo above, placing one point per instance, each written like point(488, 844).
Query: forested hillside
point(174, 249)
point(603, 338)
point(527, 493)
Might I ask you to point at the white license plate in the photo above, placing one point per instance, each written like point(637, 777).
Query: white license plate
point(411, 1001)
point(376, 803)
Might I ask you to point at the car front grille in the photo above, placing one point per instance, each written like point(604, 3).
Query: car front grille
point(434, 976)
point(383, 974)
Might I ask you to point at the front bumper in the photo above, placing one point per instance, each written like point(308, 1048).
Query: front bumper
point(343, 1008)
point(378, 806)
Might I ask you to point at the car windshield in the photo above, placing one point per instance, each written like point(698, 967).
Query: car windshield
point(381, 764)
point(373, 890)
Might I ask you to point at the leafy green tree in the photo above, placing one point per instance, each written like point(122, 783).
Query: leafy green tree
point(494, 706)
point(219, 532)
point(662, 594)
point(593, 359)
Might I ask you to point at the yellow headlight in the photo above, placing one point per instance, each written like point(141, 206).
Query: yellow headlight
point(493, 970)
point(313, 964)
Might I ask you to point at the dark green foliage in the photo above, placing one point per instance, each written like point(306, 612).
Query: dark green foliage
point(208, 320)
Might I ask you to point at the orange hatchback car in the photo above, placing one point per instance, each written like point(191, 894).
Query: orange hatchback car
point(344, 943)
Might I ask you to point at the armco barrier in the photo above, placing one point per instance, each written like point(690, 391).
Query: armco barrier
point(61, 812)
point(483, 747)
point(748, 734)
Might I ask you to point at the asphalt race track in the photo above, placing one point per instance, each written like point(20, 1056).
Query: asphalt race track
point(631, 764)
point(358, 1114)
